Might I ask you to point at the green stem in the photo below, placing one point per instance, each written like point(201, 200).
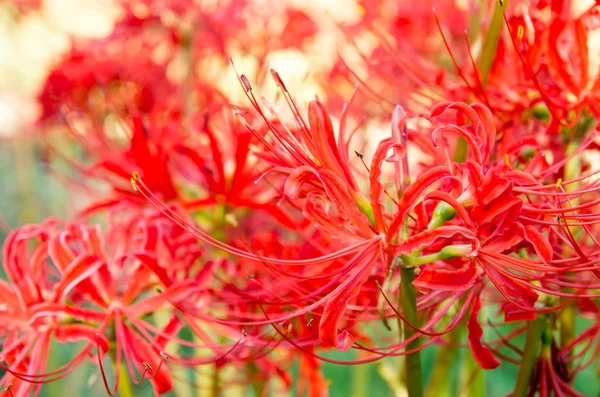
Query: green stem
point(360, 380)
point(530, 354)
point(567, 314)
point(408, 300)
point(24, 165)
point(490, 43)
point(460, 152)
point(215, 384)
point(440, 383)
point(125, 387)
point(258, 383)
point(474, 377)
point(567, 324)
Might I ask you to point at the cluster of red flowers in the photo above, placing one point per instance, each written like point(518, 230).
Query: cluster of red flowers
point(258, 237)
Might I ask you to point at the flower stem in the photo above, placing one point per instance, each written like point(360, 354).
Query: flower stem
point(408, 301)
point(530, 354)
point(573, 168)
point(440, 383)
point(258, 383)
point(215, 384)
point(360, 380)
point(460, 153)
point(488, 51)
point(125, 387)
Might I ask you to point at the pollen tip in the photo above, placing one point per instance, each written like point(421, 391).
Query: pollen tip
point(134, 184)
point(244, 334)
point(277, 79)
point(506, 160)
point(164, 355)
point(559, 183)
point(246, 83)
point(232, 220)
point(148, 366)
point(135, 175)
point(520, 32)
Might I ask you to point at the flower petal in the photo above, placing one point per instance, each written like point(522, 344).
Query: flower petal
point(540, 243)
point(437, 278)
point(365, 261)
point(481, 353)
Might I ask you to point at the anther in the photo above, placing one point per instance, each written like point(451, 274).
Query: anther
point(309, 322)
point(164, 356)
point(232, 220)
point(520, 32)
point(278, 80)
point(246, 83)
point(359, 155)
point(559, 183)
point(148, 366)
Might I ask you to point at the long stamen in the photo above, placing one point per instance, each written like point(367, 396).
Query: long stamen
point(205, 237)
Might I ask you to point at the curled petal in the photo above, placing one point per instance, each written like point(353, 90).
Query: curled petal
point(339, 195)
point(515, 313)
point(80, 269)
point(414, 192)
point(70, 333)
point(297, 178)
point(481, 353)
point(437, 278)
point(493, 188)
point(335, 307)
point(540, 243)
point(488, 129)
point(517, 293)
point(429, 236)
point(152, 264)
point(323, 137)
point(472, 141)
point(398, 134)
point(376, 190)
point(320, 219)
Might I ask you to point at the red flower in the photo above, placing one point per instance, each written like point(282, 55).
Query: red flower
point(37, 285)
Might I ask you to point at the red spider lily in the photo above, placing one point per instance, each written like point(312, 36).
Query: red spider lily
point(329, 178)
point(200, 159)
point(549, 43)
point(500, 210)
point(551, 376)
point(102, 296)
point(34, 286)
point(496, 206)
point(132, 68)
point(321, 145)
point(120, 295)
point(581, 351)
